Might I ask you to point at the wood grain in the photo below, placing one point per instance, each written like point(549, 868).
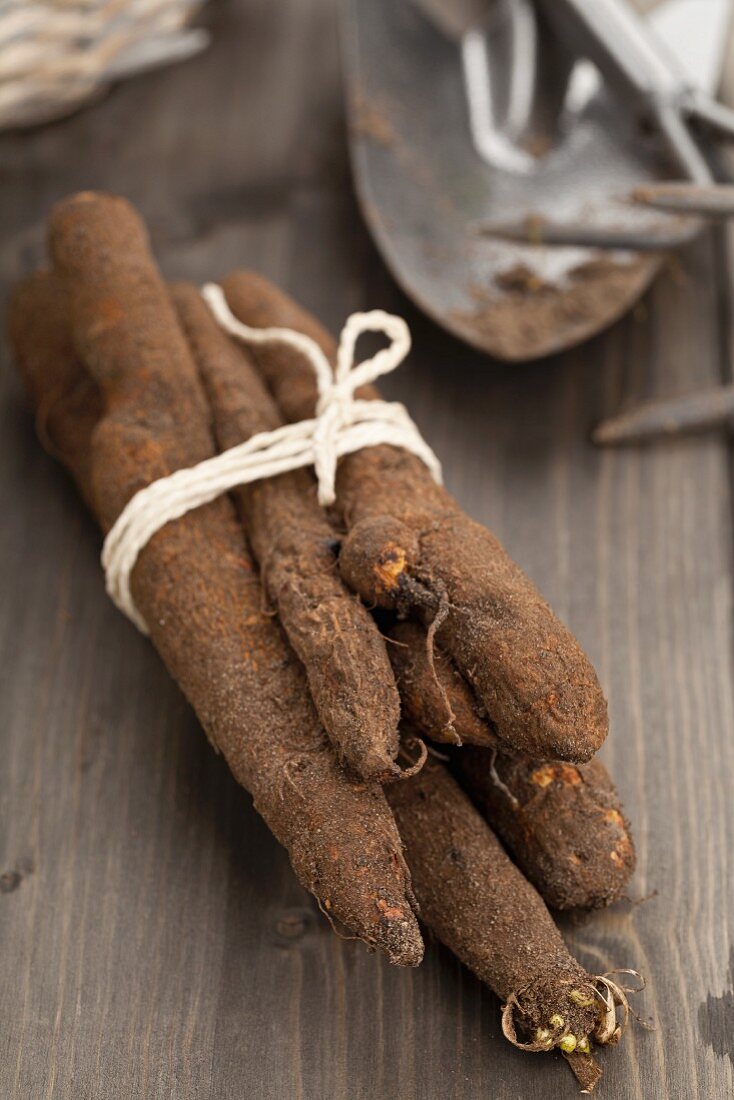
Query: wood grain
point(154, 942)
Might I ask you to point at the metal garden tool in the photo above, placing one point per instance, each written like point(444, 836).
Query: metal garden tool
point(714, 201)
point(684, 415)
point(638, 65)
point(468, 114)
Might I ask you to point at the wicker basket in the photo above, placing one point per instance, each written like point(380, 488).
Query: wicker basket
point(55, 54)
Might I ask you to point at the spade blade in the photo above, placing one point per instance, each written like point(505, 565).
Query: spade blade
point(426, 193)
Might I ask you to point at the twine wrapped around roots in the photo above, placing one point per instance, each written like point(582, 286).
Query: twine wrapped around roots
point(343, 424)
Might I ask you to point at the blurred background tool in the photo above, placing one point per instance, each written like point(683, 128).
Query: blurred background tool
point(714, 201)
point(654, 81)
point(476, 114)
point(695, 412)
point(688, 413)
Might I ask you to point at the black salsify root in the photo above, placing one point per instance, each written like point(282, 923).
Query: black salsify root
point(44, 411)
point(298, 760)
point(441, 612)
point(608, 1029)
point(647, 1024)
point(408, 741)
point(415, 595)
point(433, 605)
point(414, 766)
point(337, 931)
point(436, 754)
point(514, 802)
point(610, 995)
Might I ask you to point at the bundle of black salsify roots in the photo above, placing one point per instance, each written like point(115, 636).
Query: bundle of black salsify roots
point(412, 699)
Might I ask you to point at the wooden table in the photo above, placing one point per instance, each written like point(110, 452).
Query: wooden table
point(153, 939)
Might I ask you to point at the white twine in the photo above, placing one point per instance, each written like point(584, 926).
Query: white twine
point(343, 424)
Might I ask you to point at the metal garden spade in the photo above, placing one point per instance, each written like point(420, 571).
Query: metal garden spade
point(471, 114)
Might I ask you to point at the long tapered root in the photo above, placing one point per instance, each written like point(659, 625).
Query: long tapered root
point(409, 545)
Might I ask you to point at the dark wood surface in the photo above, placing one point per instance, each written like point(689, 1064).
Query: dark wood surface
point(153, 940)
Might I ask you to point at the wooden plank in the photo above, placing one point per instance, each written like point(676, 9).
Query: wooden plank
point(154, 940)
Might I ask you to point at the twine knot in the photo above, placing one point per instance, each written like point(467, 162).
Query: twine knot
point(338, 411)
point(343, 424)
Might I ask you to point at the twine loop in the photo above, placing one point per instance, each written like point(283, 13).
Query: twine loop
point(342, 425)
